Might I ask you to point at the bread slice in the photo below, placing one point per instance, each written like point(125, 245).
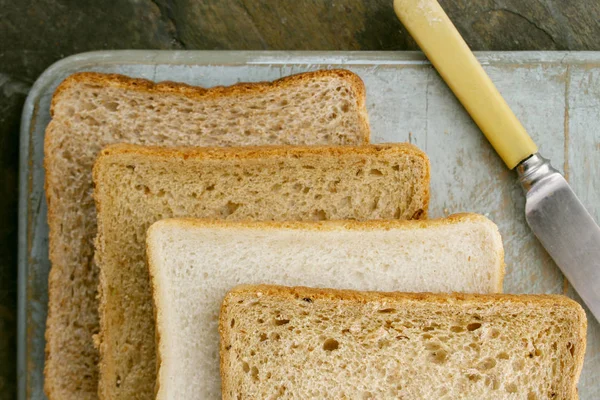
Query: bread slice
point(91, 110)
point(137, 186)
point(301, 343)
point(193, 263)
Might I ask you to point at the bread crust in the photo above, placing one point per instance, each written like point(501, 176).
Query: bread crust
point(363, 297)
point(100, 80)
point(253, 152)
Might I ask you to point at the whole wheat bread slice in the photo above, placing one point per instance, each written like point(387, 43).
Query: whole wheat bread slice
point(90, 111)
point(300, 343)
point(137, 186)
point(193, 263)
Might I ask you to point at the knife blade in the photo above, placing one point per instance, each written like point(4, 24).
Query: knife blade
point(564, 227)
point(554, 213)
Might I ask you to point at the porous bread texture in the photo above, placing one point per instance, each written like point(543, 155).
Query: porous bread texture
point(137, 186)
point(193, 263)
point(300, 343)
point(92, 110)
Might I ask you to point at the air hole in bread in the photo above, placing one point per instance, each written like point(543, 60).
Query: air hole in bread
point(230, 208)
point(320, 215)
point(111, 105)
point(474, 346)
point(375, 172)
point(330, 345)
point(254, 373)
point(457, 329)
point(571, 348)
point(503, 356)
point(518, 365)
point(375, 204)
point(432, 346)
point(511, 388)
point(245, 367)
point(417, 214)
point(279, 322)
point(232, 324)
point(487, 364)
point(494, 333)
point(438, 357)
point(473, 326)
point(492, 383)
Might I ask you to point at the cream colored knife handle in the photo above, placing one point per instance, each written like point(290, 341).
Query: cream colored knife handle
point(433, 31)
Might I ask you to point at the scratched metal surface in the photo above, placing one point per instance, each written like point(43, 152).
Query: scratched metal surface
point(556, 95)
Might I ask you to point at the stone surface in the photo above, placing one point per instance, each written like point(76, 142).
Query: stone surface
point(36, 33)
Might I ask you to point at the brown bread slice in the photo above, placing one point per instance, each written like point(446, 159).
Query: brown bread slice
point(91, 110)
point(301, 343)
point(137, 186)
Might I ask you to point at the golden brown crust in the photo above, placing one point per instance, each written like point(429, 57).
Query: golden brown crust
point(363, 297)
point(294, 293)
point(194, 92)
point(250, 152)
point(366, 225)
point(223, 353)
point(154, 282)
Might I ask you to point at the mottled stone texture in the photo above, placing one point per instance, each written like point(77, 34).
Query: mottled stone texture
point(35, 33)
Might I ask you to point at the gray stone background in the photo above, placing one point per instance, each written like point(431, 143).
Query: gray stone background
point(36, 33)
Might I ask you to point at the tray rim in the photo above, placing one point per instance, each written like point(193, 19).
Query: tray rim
point(81, 61)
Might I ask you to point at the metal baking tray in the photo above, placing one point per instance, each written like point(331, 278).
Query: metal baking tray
point(556, 95)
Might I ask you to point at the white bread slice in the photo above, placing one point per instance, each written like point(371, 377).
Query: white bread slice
point(91, 110)
point(300, 343)
point(193, 263)
point(137, 186)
